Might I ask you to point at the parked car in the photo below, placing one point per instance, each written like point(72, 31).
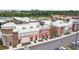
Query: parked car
point(75, 43)
point(62, 48)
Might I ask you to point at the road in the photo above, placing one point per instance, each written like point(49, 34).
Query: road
point(54, 44)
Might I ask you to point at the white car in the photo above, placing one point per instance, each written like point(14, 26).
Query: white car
point(77, 43)
point(62, 48)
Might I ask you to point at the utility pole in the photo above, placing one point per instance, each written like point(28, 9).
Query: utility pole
point(76, 35)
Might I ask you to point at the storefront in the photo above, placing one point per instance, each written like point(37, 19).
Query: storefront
point(34, 36)
point(44, 34)
point(24, 38)
point(75, 27)
point(61, 30)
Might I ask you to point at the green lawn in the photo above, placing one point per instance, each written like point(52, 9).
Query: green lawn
point(71, 46)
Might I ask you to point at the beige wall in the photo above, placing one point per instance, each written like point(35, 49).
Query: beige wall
point(7, 31)
point(15, 39)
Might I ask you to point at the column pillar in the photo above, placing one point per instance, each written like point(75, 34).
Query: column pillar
point(59, 31)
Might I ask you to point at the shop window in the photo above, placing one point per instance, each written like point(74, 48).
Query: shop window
point(10, 43)
point(35, 38)
point(19, 41)
point(42, 36)
point(31, 38)
point(62, 29)
point(46, 34)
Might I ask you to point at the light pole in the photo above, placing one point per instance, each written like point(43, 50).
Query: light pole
point(76, 35)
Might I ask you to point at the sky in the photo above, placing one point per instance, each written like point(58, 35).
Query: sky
point(39, 4)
